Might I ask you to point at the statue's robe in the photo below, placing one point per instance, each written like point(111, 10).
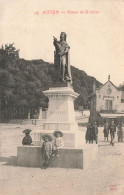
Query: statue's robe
point(64, 60)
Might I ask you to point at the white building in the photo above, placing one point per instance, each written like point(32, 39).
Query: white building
point(107, 101)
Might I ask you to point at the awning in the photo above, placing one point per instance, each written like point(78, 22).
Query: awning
point(115, 115)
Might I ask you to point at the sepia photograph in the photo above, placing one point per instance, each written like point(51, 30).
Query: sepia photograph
point(61, 97)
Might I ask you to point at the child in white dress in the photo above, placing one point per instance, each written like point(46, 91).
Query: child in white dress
point(58, 143)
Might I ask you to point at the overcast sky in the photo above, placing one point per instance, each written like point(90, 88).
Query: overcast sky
point(96, 40)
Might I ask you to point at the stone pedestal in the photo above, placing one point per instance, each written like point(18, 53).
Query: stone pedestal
point(70, 138)
point(80, 158)
point(60, 116)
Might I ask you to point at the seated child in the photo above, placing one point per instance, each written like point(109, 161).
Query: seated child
point(46, 149)
point(58, 143)
point(27, 140)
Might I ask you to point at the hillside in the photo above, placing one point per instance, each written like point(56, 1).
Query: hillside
point(22, 83)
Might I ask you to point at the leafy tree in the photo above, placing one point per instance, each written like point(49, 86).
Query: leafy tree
point(22, 83)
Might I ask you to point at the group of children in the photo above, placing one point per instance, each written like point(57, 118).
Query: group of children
point(49, 148)
point(112, 129)
point(92, 132)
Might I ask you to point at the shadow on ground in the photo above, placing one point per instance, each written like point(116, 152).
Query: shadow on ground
point(9, 161)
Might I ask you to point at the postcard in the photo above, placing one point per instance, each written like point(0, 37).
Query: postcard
point(61, 97)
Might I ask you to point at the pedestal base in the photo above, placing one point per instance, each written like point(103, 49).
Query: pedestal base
point(60, 116)
point(60, 126)
point(79, 158)
point(71, 139)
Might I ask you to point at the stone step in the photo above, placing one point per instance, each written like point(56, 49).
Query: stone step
point(78, 158)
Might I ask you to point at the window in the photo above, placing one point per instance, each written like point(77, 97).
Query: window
point(108, 104)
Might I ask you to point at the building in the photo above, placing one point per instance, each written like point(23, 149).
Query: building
point(106, 103)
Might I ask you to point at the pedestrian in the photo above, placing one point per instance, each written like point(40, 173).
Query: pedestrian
point(120, 133)
point(46, 149)
point(88, 133)
point(94, 132)
point(106, 131)
point(58, 143)
point(112, 132)
point(27, 140)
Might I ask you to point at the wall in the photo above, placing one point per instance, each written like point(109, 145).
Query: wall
point(102, 95)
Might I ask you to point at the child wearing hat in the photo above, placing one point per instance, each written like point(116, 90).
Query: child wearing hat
point(27, 140)
point(46, 149)
point(58, 143)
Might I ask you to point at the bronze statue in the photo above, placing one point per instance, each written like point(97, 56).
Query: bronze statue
point(61, 59)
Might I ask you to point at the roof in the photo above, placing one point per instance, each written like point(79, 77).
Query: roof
point(118, 89)
point(112, 115)
point(105, 84)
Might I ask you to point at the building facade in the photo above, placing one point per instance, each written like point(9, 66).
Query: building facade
point(106, 103)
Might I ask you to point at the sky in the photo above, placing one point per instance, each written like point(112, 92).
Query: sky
point(96, 40)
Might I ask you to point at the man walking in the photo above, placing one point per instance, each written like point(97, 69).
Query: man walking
point(112, 132)
point(106, 131)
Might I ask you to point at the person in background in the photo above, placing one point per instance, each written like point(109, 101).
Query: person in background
point(94, 132)
point(27, 140)
point(112, 128)
point(46, 149)
point(88, 133)
point(106, 131)
point(120, 133)
point(58, 143)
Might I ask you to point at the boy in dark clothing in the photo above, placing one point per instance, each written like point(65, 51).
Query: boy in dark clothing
point(27, 140)
point(46, 149)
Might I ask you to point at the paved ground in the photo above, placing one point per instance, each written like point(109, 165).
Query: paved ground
point(104, 176)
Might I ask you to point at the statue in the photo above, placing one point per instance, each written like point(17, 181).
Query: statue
point(61, 59)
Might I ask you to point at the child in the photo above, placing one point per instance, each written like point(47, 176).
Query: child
point(58, 143)
point(27, 140)
point(120, 133)
point(46, 149)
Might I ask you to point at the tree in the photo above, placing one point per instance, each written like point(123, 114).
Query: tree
point(22, 83)
point(8, 53)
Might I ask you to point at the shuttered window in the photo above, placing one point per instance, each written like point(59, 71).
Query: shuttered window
point(108, 104)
